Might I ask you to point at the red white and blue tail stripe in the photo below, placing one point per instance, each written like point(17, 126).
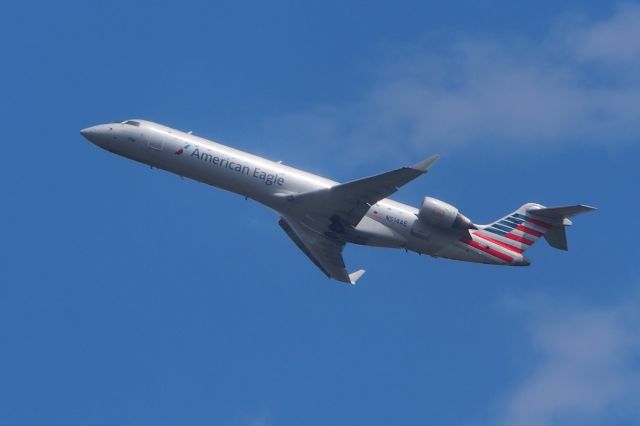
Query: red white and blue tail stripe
point(506, 239)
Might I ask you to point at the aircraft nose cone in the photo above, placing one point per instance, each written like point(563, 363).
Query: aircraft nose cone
point(90, 133)
point(97, 135)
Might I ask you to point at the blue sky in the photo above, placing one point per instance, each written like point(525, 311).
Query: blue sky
point(131, 297)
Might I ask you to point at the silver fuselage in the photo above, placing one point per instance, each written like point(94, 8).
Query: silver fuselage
point(386, 224)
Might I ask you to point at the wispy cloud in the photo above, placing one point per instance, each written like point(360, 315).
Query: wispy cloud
point(259, 417)
point(588, 370)
point(579, 84)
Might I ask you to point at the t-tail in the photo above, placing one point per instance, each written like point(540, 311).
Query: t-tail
point(513, 234)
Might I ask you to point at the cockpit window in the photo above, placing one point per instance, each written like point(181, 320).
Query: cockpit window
point(132, 123)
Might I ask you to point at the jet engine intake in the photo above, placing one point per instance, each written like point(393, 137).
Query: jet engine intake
point(444, 215)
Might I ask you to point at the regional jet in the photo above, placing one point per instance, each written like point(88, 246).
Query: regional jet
point(321, 216)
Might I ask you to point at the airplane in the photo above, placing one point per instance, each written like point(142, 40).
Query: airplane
point(321, 216)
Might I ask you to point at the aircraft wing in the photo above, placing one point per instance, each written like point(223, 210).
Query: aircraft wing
point(324, 251)
point(347, 203)
point(321, 219)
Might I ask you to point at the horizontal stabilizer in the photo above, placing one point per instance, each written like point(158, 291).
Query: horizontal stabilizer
point(562, 212)
point(556, 236)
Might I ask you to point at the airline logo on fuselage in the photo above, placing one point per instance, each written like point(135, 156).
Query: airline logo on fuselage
point(230, 164)
point(181, 150)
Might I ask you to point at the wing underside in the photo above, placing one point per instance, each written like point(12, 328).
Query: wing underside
point(320, 220)
point(323, 251)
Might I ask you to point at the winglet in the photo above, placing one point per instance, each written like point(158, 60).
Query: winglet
point(354, 276)
point(426, 164)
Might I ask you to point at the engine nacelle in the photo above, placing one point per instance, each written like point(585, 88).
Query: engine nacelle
point(443, 215)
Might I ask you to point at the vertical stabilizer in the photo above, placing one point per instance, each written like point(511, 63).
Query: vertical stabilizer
point(517, 231)
point(521, 229)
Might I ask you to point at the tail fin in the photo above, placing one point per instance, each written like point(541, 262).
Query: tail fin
point(520, 229)
point(559, 217)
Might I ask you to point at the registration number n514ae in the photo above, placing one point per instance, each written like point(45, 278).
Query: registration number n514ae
point(396, 220)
